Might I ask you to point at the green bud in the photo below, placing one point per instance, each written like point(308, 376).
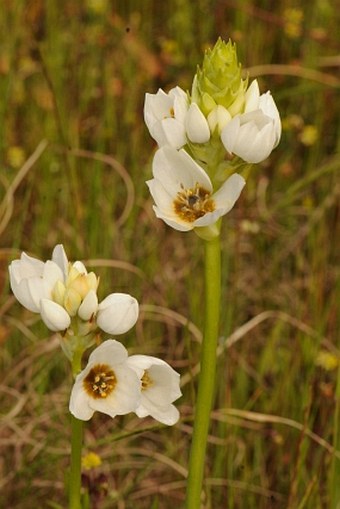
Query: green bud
point(219, 80)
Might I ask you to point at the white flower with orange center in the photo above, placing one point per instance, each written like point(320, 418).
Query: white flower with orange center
point(159, 388)
point(183, 192)
point(108, 384)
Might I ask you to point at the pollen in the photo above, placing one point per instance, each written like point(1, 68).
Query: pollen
point(146, 381)
point(191, 204)
point(100, 381)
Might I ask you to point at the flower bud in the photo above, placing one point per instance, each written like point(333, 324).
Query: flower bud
point(196, 125)
point(117, 313)
point(54, 316)
point(219, 80)
point(218, 118)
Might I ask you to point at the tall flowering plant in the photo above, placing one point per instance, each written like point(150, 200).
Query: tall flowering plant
point(208, 139)
point(64, 294)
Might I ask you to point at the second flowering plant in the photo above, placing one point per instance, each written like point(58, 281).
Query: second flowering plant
point(65, 296)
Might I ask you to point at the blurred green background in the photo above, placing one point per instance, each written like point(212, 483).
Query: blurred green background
point(73, 75)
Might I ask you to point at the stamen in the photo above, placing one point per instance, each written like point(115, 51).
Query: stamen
point(146, 381)
point(100, 381)
point(191, 204)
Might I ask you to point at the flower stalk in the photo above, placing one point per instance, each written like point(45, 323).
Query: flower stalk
point(76, 448)
point(75, 470)
point(205, 394)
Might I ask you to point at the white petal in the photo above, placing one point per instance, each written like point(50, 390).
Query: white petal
point(79, 401)
point(261, 146)
point(196, 125)
point(174, 133)
point(38, 289)
point(229, 134)
point(176, 169)
point(23, 295)
point(117, 313)
point(208, 219)
point(156, 106)
point(89, 306)
point(54, 316)
point(229, 192)
point(109, 352)
point(59, 257)
point(80, 267)
point(269, 108)
point(168, 415)
point(162, 197)
point(27, 267)
point(218, 118)
point(252, 97)
point(52, 273)
point(180, 103)
point(174, 221)
point(143, 361)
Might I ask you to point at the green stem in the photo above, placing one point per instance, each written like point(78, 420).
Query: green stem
point(75, 473)
point(76, 446)
point(206, 384)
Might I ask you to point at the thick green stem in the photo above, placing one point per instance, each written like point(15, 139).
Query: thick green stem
point(76, 447)
point(206, 384)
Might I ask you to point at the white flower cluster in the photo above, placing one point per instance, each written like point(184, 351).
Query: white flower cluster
point(115, 384)
point(60, 291)
point(182, 190)
point(250, 132)
point(65, 295)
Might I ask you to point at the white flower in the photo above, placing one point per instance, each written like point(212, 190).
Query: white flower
point(197, 127)
point(164, 115)
point(107, 384)
point(255, 133)
point(183, 192)
point(31, 280)
point(265, 103)
point(117, 313)
point(159, 388)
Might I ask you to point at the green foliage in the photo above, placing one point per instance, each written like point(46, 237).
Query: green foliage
point(75, 73)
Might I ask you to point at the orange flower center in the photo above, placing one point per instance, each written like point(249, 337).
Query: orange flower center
point(100, 381)
point(191, 204)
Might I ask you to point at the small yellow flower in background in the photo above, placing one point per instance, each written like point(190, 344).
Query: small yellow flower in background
point(97, 6)
point(327, 360)
point(292, 121)
point(292, 19)
point(90, 461)
point(309, 135)
point(16, 156)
